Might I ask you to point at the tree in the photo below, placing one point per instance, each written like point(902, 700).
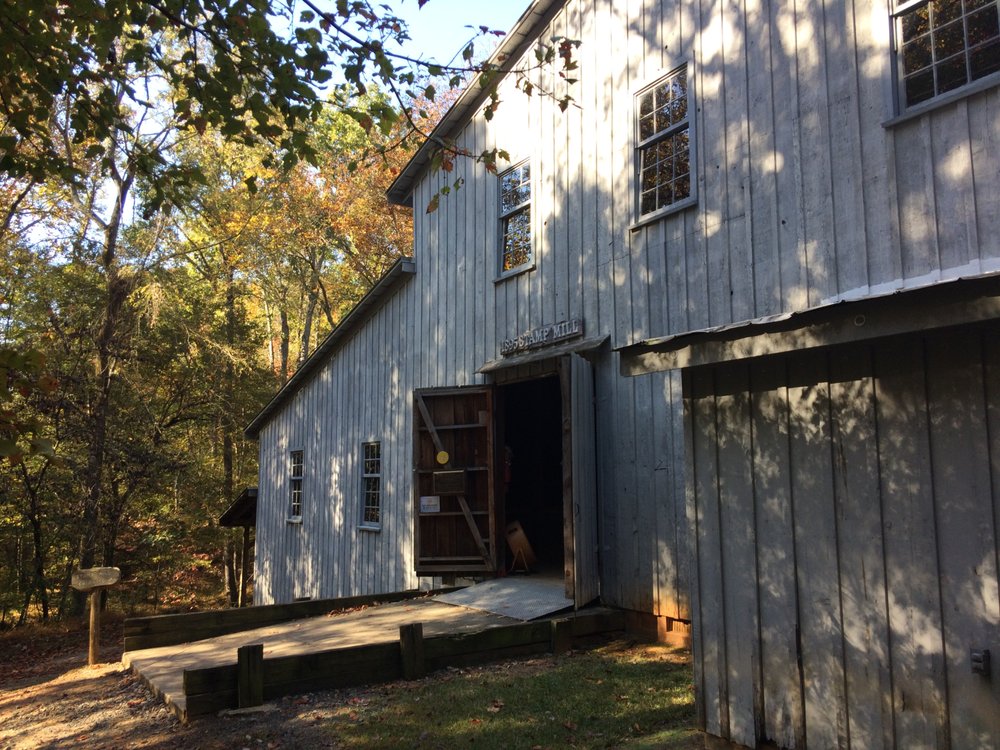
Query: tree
point(226, 66)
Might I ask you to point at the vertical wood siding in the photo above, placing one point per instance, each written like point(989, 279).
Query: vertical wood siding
point(845, 503)
point(361, 395)
point(803, 197)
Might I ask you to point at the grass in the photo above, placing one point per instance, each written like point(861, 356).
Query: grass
point(639, 696)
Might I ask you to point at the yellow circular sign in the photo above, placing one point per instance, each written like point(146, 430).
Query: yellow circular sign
point(443, 457)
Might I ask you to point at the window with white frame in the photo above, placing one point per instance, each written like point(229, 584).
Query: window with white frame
point(371, 483)
point(515, 218)
point(663, 138)
point(942, 45)
point(295, 484)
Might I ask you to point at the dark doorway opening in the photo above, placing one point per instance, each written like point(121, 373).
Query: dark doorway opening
point(532, 469)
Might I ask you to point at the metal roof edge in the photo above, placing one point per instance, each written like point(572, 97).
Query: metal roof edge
point(944, 291)
point(514, 45)
point(401, 271)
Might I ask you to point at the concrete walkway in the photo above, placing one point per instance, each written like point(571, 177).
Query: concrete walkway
point(162, 669)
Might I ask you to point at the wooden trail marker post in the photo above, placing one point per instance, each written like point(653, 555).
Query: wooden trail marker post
point(95, 580)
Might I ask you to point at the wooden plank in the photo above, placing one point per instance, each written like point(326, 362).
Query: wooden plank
point(736, 546)
point(441, 648)
point(850, 269)
point(915, 188)
point(817, 223)
point(411, 648)
point(790, 238)
point(210, 680)
point(474, 530)
point(250, 675)
point(632, 299)
point(783, 718)
point(428, 422)
point(912, 580)
point(666, 492)
point(712, 688)
point(328, 670)
point(682, 521)
point(966, 539)
point(984, 135)
point(586, 574)
point(739, 226)
point(606, 621)
point(817, 568)
point(712, 162)
point(208, 704)
point(953, 199)
point(692, 411)
point(862, 557)
point(646, 499)
point(561, 635)
point(763, 163)
point(875, 97)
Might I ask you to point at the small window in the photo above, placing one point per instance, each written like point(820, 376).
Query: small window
point(295, 484)
point(942, 45)
point(664, 144)
point(371, 483)
point(515, 218)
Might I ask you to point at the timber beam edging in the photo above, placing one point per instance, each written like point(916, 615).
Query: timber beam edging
point(213, 689)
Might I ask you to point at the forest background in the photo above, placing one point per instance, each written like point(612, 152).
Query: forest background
point(192, 195)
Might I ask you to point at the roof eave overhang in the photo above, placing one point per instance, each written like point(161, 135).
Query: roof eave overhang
point(506, 55)
point(945, 304)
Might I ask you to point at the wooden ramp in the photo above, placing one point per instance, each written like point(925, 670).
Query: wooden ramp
point(162, 668)
point(522, 598)
point(348, 649)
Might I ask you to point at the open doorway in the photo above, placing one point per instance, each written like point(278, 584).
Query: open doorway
point(532, 491)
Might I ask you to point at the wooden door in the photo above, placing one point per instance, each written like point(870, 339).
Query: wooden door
point(454, 499)
point(583, 460)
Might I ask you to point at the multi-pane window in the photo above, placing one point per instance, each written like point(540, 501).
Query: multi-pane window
point(942, 45)
point(664, 143)
point(515, 218)
point(371, 483)
point(295, 484)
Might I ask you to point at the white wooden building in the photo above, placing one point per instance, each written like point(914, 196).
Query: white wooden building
point(722, 337)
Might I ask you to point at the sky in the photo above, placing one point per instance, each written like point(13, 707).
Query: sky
point(438, 30)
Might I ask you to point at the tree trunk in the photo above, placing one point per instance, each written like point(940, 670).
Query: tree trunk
point(286, 335)
point(40, 584)
point(117, 290)
point(307, 330)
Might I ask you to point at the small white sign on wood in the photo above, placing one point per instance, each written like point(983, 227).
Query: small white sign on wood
point(430, 503)
point(95, 578)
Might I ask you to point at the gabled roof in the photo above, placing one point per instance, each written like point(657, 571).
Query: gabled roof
point(401, 271)
point(513, 46)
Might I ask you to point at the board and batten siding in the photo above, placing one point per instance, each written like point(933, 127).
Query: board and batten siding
point(805, 195)
point(846, 507)
point(361, 394)
point(810, 189)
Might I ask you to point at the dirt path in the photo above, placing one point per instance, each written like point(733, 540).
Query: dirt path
point(49, 698)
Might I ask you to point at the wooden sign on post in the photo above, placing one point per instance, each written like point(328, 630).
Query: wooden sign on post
point(95, 580)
